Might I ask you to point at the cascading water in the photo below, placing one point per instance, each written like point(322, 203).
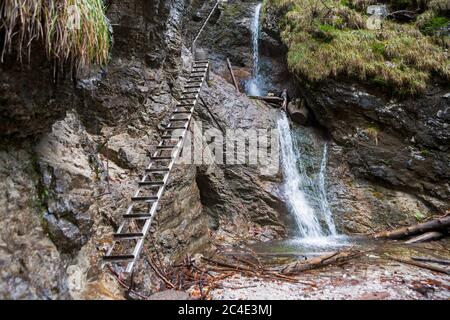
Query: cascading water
point(310, 210)
point(308, 219)
point(253, 85)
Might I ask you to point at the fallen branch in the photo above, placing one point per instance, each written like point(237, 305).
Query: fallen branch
point(437, 224)
point(427, 236)
point(432, 260)
point(267, 99)
point(420, 265)
point(318, 262)
point(232, 75)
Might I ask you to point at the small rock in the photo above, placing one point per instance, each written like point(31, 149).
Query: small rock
point(170, 295)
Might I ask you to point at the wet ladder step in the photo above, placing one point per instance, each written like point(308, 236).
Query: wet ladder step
point(157, 170)
point(119, 258)
point(144, 198)
point(175, 128)
point(190, 92)
point(181, 111)
point(128, 236)
point(180, 119)
point(151, 183)
point(137, 216)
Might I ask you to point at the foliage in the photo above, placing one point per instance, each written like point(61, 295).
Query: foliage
point(51, 22)
point(329, 38)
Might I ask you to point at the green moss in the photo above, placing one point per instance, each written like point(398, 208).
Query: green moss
point(379, 48)
point(425, 152)
point(434, 24)
point(329, 39)
point(419, 216)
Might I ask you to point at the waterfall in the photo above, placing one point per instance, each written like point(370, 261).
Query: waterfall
point(311, 211)
point(253, 85)
point(311, 222)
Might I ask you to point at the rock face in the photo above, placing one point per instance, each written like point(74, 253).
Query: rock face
point(388, 158)
point(396, 153)
point(298, 111)
point(70, 158)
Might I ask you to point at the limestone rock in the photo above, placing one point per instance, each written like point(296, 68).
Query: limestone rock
point(298, 111)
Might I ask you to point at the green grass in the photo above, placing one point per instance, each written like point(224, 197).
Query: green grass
point(329, 38)
point(25, 22)
point(431, 26)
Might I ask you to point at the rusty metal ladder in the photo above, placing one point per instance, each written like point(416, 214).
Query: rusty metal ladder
point(129, 238)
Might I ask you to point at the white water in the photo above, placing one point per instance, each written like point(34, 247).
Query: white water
point(315, 224)
point(253, 85)
point(307, 217)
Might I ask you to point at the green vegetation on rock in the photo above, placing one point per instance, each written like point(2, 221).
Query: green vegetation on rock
point(330, 38)
point(71, 31)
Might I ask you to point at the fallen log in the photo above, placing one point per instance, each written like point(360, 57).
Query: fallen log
point(427, 236)
point(267, 99)
point(232, 75)
point(437, 224)
point(318, 262)
point(432, 260)
point(421, 265)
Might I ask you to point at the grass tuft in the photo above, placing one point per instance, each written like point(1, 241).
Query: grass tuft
point(329, 38)
point(71, 31)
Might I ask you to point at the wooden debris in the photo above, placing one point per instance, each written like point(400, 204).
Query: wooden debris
point(421, 265)
point(432, 260)
point(427, 236)
point(437, 224)
point(318, 262)
point(402, 15)
point(268, 99)
point(232, 75)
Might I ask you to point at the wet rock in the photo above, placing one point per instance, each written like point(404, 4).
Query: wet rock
point(298, 111)
point(30, 263)
point(63, 233)
point(398, 144)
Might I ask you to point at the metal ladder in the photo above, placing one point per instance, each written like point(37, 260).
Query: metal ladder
point(130, 235)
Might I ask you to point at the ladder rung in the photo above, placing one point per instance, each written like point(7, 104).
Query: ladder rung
point(187, 98)
point(180, 112)
point(128, 236)
point(119, 258)
point(157, 170)
point(137, 216)
point(161, 158)
point(201, 61)
point(165, 147)
point(190, 92)
point(186, 105)
point(191, 87)
point(175, 128)
point(151, 183)
point(146, 198)
point(181, 119)
point(196, 77)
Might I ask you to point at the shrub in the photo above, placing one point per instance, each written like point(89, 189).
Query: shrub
point(328, 39)
point(24, 22)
